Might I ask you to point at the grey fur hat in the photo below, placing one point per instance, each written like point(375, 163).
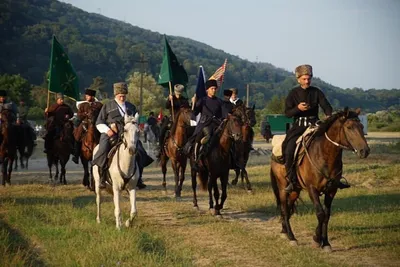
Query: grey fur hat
point(303, 70)
point(120, 88)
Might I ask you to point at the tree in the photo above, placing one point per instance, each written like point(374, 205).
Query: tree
point(153, 94)
point(276, 105)
point(17, 88)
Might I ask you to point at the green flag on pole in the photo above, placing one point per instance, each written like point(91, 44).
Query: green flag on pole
point(62, 76)
point(171, 70)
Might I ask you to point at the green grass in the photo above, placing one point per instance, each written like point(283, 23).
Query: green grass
point(41, 225)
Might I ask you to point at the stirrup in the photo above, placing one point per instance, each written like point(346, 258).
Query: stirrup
point(288, 189)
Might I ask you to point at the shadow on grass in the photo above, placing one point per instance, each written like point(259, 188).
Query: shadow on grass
point(20, 246)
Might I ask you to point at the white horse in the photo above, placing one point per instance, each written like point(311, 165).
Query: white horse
point(123, 170)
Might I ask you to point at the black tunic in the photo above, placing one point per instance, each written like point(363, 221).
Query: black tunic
point(312, 96)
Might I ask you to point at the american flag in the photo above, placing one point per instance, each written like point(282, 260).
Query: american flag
point(219, 74)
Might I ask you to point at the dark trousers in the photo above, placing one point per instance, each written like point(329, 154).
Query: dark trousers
point(165, 125)
point(288, 148)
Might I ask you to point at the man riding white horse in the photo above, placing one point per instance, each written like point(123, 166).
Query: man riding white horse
point(110, 124)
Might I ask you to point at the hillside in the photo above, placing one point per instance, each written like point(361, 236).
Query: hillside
point(100, 46)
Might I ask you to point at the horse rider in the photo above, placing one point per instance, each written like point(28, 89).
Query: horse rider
point(229, 106)
point(302, 104)
point(110, 124)
point(56, 115)
point(90, 107)
point(7, 105)
point(234, 97)
point(174, 102)
point(213, 111)
point(152, 123)
point(22, 120)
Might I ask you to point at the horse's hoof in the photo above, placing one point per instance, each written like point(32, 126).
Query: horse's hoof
point(127, 224)
point(249, 191)
point(315, 244)
point(212, 211)
point(234, 182)
point(293, 243)
point(327, 249)
point(98, 220)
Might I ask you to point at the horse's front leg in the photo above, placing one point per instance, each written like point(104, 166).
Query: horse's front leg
point(132, 198)
point(210, 187)
point(96, 177)
point(194, 185)
point(246, 178)
point(63, 179)
point(164, 161)
point(85, 180)
point(314, 196)
point(182, 169)
point(117, 209)
point(175, 167)
point(10, 168)
point(224, 185)
point(328, 204)
point(237, 173)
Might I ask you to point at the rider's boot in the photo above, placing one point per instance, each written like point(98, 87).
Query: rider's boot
point(77, 150)
point(292, 181)
point(103, 173)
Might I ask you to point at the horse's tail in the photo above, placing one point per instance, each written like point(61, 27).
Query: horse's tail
point(203, 178)
point(275, 188)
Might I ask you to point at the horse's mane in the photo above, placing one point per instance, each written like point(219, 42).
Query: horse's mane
point(326, 124)
point(175, 124)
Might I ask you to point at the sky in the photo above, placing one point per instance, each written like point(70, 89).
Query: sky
point(349, 43)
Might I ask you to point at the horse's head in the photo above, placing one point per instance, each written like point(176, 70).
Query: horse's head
point(349, 129)
point(131, 133)
point(251, 116)
point(240, 112)
point(234, 127)
point(184, 115)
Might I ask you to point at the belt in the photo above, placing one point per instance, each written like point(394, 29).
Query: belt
point(306, 121)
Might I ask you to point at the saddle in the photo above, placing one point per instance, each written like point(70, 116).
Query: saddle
point(305, 138)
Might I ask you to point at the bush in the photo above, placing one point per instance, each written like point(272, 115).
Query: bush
point(35, 113)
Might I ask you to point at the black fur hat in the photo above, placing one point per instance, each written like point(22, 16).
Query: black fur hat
point(211, 83)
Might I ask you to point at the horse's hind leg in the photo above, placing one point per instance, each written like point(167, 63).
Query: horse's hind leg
point(164, 161)
point(321, 232)
point(246, 178)
point(237, 172)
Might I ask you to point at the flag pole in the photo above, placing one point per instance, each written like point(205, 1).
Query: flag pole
point(172, 100)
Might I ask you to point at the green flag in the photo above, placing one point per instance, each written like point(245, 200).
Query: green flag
point(171, 70)
point(62, 77)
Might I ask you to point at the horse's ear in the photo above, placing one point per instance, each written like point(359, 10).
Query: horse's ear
point(358, 111)
point(346, 111)
point(254, 106)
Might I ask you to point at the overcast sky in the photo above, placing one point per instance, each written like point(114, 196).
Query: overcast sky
point(350, 43)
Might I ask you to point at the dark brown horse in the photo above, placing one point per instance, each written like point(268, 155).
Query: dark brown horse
point(319, 170)
point(60, 151)
point(242, 148)
point(173, 149)
point(8, 147)
point(217, 163)
point(26, 146)
point(90, 139)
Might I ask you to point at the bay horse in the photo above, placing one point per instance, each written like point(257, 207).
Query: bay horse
point(173, 149)
point(90, 139)
point(122, 171)
point(60, 152)
point(217, 163)
point(319, 170)
point(243, 147)
point(8, 147)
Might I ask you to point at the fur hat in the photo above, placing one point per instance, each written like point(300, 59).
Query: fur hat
point(59, 95)
point(90, 92)
point(3, 93)
point(211, 83)
point(234, 90)
point(120, 88)
point(303, 70)
point(228, 92)
point(178, 88)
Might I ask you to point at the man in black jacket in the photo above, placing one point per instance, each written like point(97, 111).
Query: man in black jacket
point(302, 104)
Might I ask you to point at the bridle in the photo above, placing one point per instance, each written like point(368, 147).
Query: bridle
point(345, 136)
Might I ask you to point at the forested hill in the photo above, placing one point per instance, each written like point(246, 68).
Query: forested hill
point(111, 49)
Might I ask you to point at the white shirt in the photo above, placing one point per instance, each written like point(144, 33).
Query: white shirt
point(103, 128)
point(233, 101)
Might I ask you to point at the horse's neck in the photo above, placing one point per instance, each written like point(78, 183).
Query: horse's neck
point(124, 159)
point(330, 152)
point(225, 141)
point(180, 132)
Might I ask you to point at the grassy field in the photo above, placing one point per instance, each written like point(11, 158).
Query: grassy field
point(46, 225)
